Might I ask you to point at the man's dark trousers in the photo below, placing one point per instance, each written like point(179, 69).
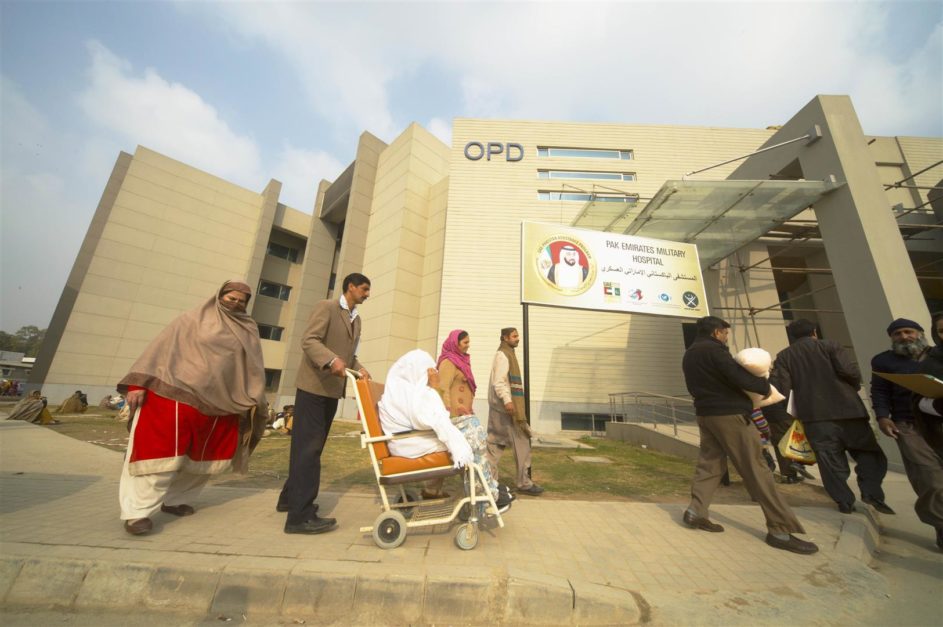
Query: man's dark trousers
point(830, 439)
point(314, 415)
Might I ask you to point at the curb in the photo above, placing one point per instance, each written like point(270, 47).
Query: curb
point(860, 536)
point(360, 596)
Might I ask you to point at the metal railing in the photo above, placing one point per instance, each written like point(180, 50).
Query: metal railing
point(647, 407)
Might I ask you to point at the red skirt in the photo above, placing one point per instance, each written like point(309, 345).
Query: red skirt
point(168, 435)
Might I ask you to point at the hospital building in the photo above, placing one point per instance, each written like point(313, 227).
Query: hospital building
point(809, 218)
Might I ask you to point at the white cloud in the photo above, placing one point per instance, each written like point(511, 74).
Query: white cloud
point(300, 171)
point(147, 109)
point(441, 129)
point(726, 64)
point(342, 64)
point(167, 117)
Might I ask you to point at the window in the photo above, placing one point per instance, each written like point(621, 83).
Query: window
point(269, 332)
point(584, 422)
point(584, 153)
point(283, 252)
point(274, 290)
point(598, 176)
point(585, 197)
point(272, 378)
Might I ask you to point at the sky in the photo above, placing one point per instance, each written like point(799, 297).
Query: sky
point(251, 91)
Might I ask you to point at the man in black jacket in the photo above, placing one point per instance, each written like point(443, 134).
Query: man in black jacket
point(825, 382)
point(897, 415)
point(717, 382)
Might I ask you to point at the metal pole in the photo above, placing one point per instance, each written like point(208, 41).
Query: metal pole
point(526, 339)
point(717, 165)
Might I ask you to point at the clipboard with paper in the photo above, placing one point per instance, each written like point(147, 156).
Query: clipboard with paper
point(925, 385)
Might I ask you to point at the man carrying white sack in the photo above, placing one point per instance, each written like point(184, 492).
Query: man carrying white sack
point(825, 382)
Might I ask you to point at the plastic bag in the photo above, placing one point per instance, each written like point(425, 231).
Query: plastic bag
point(795, 446)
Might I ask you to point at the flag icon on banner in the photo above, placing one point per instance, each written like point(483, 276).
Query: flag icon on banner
point(612, 291)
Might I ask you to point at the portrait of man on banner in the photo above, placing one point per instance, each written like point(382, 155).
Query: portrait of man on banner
point(565, 264)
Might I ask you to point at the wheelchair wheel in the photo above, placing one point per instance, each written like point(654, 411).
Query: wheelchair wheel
point(389, 531)
point(466, 538)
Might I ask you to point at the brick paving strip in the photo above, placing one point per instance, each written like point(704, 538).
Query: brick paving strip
point(555, 562)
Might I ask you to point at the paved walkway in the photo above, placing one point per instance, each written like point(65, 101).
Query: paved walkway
point(555, 562)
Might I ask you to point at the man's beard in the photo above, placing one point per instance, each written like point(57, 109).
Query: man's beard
point(570, 262)
point(910, 349)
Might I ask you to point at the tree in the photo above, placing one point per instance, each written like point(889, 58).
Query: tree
point(27, 340)
point(8, 342)
point(30, 338)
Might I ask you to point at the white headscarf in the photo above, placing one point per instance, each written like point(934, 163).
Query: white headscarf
point(409, 403)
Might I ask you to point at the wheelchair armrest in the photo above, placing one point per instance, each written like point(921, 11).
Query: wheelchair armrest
point(412, 433)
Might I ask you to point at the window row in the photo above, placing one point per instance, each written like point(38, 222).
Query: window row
point(585, 153)
point(585, 197)
point(283, 252)
point(597, 176)
point(274, 290)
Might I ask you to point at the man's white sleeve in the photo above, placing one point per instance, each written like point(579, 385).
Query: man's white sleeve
point(499, 377)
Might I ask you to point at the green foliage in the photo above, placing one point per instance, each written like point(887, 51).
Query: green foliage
point(27, 340)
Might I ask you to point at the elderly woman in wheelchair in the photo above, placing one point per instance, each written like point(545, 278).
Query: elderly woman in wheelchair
point(410, 402)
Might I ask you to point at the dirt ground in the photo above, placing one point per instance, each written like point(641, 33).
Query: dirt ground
point(628, 473)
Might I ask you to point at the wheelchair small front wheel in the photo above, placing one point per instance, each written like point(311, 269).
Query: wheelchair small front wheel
point(466, 538)
point(389, 531)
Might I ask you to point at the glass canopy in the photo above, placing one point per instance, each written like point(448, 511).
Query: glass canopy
point(718, 216)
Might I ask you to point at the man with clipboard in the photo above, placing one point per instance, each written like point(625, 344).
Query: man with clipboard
point(907, 397)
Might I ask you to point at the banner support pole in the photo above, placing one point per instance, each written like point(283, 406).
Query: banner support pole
point(526, 339)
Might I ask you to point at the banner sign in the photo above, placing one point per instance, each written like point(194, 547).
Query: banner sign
point(568, 267)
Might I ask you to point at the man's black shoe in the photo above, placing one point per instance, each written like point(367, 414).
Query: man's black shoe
point(793, 479)
point(284, 508)
point(800, 468)
point(793, 544)
point(846, 508)
point(532, 490)
point(939, 537)
point(878, 504)
point(696, 522)
point(315, 525)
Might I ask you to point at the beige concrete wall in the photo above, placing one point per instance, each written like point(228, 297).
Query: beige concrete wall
point(403, 249)
point(315, 274)
point(357, 222)
point(577, 357)
point(173, 236)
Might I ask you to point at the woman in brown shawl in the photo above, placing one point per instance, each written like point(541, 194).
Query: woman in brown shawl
point(193, 397)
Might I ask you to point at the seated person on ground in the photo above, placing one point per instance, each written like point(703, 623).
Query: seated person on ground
point(32, 408)
point(410, 402)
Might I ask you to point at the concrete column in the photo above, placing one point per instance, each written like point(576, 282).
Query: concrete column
point(873, 274)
